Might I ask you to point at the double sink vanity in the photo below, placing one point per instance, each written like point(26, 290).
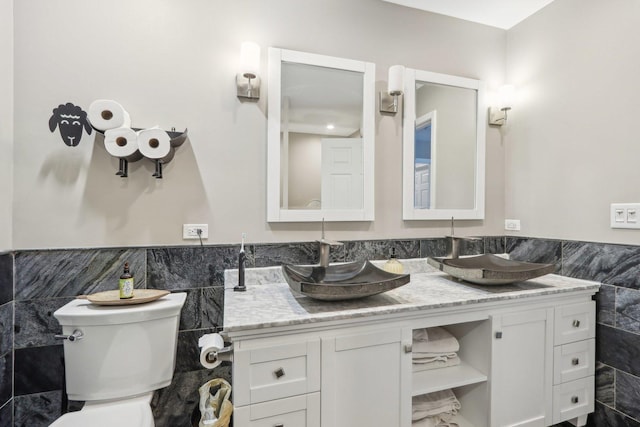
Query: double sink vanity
point(527, 351)
point(308, 353)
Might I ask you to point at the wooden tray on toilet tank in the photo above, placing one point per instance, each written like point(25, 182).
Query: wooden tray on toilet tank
point(140, 296)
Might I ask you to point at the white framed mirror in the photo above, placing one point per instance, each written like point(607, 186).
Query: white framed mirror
point(443, 147)
point(320, 141)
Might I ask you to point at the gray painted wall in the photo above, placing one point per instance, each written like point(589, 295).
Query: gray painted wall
point(6, 122)
point(173, 64)
point(572, 140)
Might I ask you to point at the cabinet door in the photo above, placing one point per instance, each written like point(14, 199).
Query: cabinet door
point(522, 369)
point(366, 379)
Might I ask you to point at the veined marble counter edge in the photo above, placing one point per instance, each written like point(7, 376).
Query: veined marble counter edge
point(269, 302)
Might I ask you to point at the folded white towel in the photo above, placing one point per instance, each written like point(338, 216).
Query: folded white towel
point(432, 404)
point(431, 357)
point(420, 335)
point(438, 340)
point(436, 421)
point(436, 364)
point(451, 408)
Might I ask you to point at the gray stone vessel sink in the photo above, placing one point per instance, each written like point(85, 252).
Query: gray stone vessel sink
point(490, 269)
point(341, 281)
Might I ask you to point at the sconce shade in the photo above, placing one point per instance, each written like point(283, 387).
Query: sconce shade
point(507, 96)
point(249, 59)
point(396, 79)
point(248, 77)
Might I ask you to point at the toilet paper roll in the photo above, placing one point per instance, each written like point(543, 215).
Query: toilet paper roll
point(122, 143)
point(155, 144)
point(108, 114)
point(209, 345)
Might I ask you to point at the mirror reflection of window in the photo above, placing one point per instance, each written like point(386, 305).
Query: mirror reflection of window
point(423, 163)
point(452, 162)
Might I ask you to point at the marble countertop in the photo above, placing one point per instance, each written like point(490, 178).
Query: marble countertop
point(269, 302)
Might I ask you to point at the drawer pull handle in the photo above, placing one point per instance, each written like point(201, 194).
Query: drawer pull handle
point(499, 335)
point(279, 425)
point(408, 348)
point(576, 323)
point(278, 373)
point(575, 361)
point(575, 399)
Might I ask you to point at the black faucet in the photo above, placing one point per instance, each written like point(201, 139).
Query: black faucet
point(242, 258)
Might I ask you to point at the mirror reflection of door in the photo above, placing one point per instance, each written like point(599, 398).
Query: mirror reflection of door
point(424, 161)
point(342, 173)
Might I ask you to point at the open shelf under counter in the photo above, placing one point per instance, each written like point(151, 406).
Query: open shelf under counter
point(444, 378)
point(459, 420)
point(463, 422)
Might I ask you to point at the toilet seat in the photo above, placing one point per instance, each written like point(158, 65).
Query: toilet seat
point(121, 414)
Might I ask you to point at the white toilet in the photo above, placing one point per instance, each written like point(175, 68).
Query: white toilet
point(115, 357)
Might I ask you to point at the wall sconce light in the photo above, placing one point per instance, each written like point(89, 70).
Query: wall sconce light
point(389, 100)
point(247, 79)
point(498, 115)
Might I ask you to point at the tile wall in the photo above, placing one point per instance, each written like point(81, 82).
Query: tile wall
point(6, 339)
point(31, 368)
point(617, 267)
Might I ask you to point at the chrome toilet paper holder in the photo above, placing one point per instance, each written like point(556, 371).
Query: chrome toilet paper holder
point(225, 354)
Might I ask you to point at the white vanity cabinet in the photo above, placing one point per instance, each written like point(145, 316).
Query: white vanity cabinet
point(525, 361)
point(574, 363)
point(364, 376)
point(522, 368)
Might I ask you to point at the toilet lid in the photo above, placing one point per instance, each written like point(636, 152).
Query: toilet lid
point(121, 414)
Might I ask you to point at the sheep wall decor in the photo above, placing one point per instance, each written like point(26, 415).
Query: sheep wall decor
point(70, 120)
point(109, 119)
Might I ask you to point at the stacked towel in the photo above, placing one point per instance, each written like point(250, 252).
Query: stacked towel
point(438, 409)
point(434, 348)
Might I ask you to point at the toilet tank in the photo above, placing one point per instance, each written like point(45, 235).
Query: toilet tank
point(124, 350)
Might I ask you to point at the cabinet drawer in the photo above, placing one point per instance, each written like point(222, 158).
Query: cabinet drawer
point(574, 361)
point(575, 322)
point(573, 399)
point(269, 373)
point(298, 411)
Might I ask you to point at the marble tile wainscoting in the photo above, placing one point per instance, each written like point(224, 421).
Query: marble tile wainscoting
point(617, 267)
point(6, 339)
point(46, 279)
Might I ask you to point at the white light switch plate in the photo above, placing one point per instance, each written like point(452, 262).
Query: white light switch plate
point(625, 215)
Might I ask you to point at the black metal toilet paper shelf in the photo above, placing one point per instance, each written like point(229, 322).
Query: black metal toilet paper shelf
point(176, 139)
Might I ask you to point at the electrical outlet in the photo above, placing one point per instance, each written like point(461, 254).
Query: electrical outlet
point(512, 224)
point(190, 231)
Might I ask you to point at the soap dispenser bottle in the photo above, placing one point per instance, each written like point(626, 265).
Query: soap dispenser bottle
point(126, 283)
point(393, 265)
